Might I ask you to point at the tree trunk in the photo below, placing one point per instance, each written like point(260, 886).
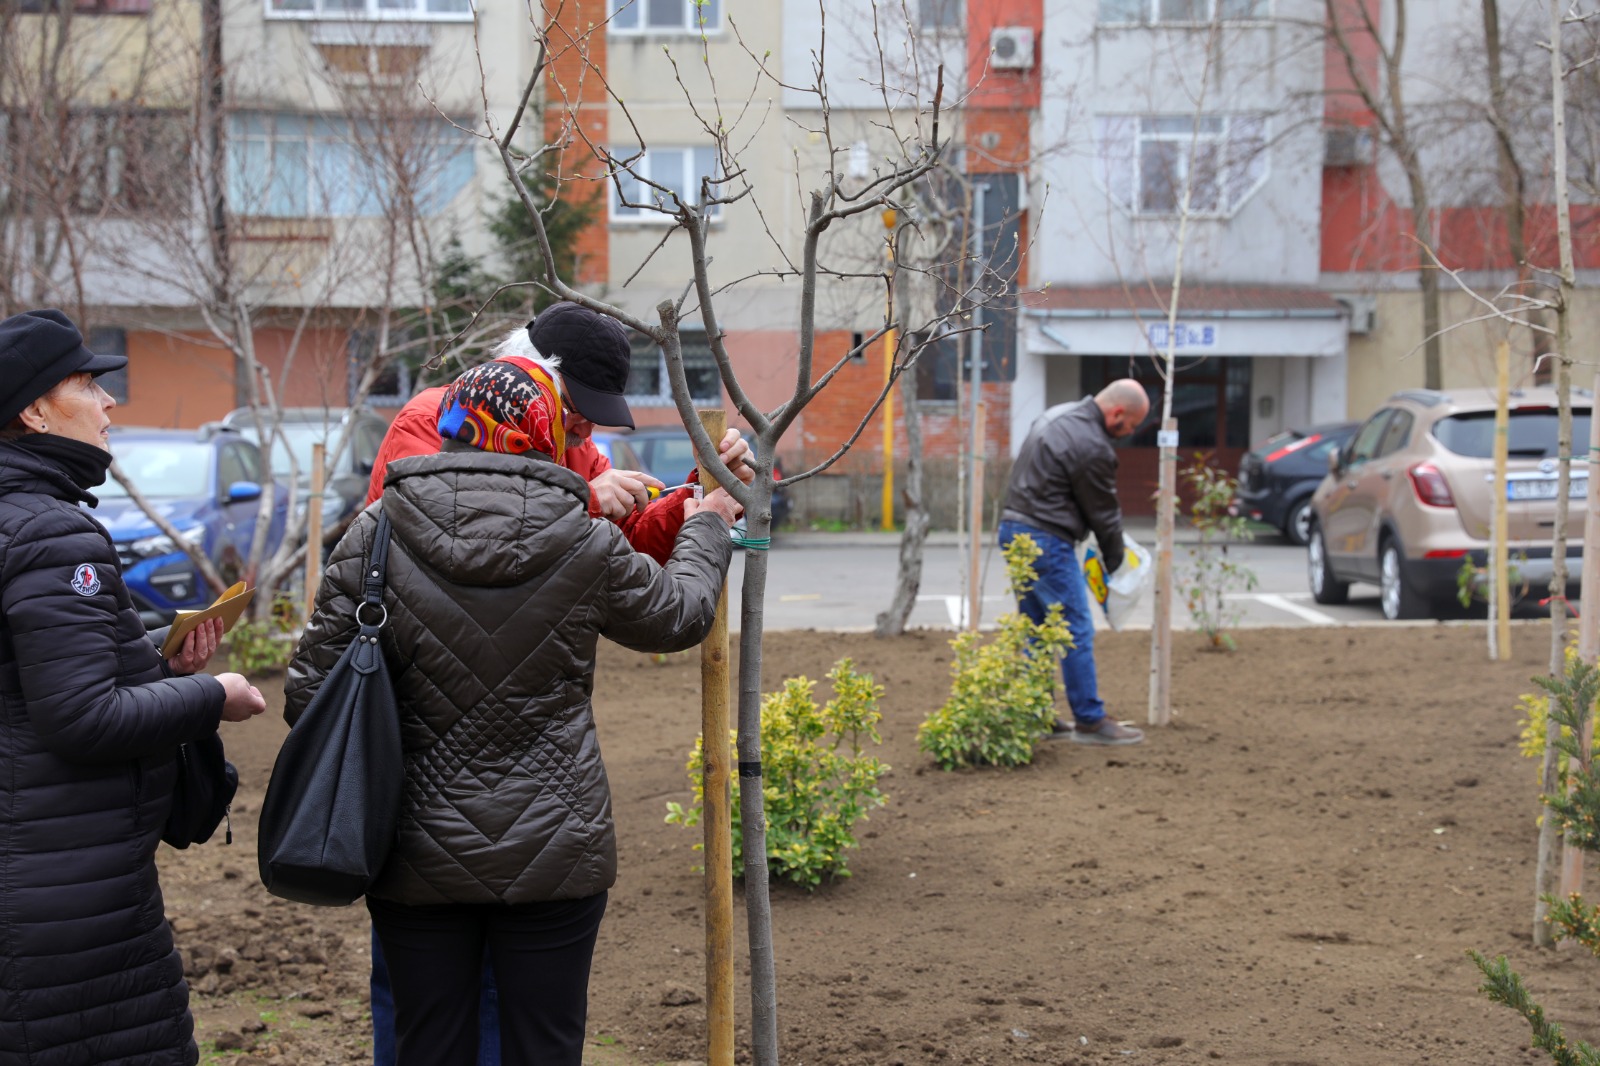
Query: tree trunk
point(892, 622)
point(752, 812)
point(1549, 833)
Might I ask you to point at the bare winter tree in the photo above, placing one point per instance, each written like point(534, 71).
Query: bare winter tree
point(1353, 29)
point(91, 127)
point(311, 253)
point(833, 205)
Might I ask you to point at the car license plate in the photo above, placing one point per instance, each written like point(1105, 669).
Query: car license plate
point(1544, 488)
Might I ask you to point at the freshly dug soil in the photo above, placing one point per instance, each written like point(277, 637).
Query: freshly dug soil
point(1289, 874)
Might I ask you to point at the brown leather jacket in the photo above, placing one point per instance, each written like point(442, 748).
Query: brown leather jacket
point(1064, 480)
point(499, 588)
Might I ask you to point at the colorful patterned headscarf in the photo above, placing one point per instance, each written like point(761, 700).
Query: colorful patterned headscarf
point(510, 405)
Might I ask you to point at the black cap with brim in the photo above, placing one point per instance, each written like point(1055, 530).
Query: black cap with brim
point(38, 351)
point(601, 408)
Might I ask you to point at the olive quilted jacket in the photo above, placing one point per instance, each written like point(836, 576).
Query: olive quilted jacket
point(499, 588)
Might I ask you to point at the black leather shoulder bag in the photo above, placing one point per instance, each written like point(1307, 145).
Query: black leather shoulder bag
point(334, 798)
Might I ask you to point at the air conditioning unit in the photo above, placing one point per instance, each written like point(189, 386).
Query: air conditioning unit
point(1347, 146)
point(1363, 313)
point(1011, 48)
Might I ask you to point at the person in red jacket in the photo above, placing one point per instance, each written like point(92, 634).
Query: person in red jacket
point(594, 355)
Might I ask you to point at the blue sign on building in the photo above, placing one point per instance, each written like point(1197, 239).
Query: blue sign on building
point(1185, 336)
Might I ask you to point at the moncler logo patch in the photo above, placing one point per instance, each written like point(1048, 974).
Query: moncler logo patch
point(85, 581)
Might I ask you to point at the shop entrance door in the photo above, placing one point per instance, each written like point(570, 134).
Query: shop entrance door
point(1210, 400)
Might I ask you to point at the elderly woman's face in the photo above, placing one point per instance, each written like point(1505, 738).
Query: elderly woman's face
point(77, 408)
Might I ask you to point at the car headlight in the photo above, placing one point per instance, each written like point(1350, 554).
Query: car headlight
point(161, 544)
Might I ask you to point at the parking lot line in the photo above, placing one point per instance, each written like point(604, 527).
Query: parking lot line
point(1282, 603)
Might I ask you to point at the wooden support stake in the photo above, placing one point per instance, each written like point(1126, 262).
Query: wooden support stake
point(1499, 567)
point(314, 526)
point(1161, 625)
point(716, 820)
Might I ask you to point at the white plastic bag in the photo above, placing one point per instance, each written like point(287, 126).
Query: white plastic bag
point(1120, 594)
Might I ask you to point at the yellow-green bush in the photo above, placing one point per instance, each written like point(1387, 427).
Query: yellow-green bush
point(818, 779)
point(1002, 697)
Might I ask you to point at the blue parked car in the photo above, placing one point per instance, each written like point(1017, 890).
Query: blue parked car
point(210, 489)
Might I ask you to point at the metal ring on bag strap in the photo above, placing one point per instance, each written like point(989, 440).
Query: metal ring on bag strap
point(368, 603)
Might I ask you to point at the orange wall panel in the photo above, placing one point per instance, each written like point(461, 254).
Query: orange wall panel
point(175, 382)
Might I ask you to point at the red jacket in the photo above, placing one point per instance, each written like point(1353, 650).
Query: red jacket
point(415, 431)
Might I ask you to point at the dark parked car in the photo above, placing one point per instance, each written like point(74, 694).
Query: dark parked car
point(210, 488)
point(615, 447)
point(1277, 478)
point(667, 454)
point(346, 487)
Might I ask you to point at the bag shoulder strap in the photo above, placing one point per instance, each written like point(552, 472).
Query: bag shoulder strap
point(378, 561)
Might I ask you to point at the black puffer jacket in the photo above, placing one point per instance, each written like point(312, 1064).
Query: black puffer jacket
point(88, 971)
point(1064, 480)
point(499, 588)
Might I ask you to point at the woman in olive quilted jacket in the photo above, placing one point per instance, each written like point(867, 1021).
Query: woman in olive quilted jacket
point(499, 588)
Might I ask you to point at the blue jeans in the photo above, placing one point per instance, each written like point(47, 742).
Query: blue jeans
point(383, 1032)
point(1061, 581)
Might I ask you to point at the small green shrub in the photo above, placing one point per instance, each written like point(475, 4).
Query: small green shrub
point(1002, 698)
point(263, 646)
point(1211, 575)
point(818, 780)
point(1569, 704)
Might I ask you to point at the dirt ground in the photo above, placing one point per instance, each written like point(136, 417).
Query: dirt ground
point(1291, 874)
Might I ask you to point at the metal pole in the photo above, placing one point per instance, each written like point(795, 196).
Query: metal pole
point(889, 339)
point(975, 424)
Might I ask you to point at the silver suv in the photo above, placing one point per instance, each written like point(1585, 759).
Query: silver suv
point(1408, 501)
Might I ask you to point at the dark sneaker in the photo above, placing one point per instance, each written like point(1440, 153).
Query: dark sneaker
point(1106, 731)
point(1060, 730)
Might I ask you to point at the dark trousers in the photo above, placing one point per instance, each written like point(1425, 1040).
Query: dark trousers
point(540, 953)
point(383, 1012)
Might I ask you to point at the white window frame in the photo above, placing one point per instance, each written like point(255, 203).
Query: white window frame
point(1151, 15)
point(316, 142)
point(372, 11)
point(646, 165)
point(662, 397)
point(1235, 188)
point(626, 18)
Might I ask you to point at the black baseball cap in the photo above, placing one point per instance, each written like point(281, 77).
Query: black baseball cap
point(38, 351)
point(595, 357)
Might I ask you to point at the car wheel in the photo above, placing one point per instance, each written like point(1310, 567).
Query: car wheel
point(1399, 600)
point(1325, 587)
point(1297, 527)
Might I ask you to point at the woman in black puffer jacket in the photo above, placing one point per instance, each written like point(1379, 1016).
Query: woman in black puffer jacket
point(499, 587)
point(92, 719)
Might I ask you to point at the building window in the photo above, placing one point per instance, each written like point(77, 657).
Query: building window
point(1145, 161)
point(103, 162)
point(325, 166)
point(648, 384)
point(394, 10)
point(109, 341)
point(677, 171)
point(1181, 12)
point(939, 14)
point(666, 16)
point(938, 367)
point(392, 386)
point(87, 7)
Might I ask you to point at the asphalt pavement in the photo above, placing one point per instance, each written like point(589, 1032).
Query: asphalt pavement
point(841, 581)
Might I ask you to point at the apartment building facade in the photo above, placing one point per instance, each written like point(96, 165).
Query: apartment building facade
point(1072, 125)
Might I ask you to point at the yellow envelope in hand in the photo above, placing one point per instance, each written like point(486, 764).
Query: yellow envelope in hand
point(229, 606)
